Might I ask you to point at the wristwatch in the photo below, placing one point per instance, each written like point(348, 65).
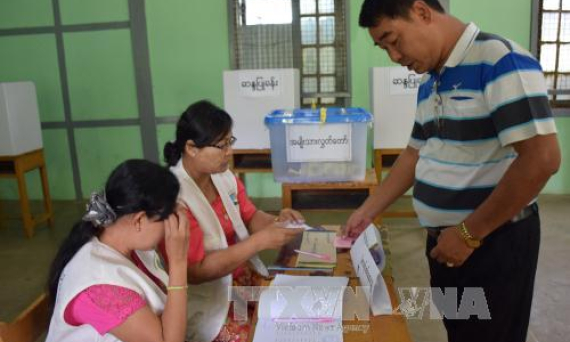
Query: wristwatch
point(469, 239)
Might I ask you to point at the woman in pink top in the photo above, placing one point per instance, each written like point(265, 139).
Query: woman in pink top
point(105, 282)
point(203, 147)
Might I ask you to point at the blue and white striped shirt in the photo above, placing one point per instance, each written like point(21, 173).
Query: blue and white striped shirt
point(491, 93)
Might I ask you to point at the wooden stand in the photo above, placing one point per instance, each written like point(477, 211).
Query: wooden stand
point(29, 325)
point(16, 167)
point(383, 161)
point(329, 189)
point(244, 161)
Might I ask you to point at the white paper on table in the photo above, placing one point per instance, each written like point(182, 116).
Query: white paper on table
point(295, 225)
point(368, 261)
point(316, 298)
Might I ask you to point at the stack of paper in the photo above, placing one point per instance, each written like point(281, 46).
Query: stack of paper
point(297, 308)
point(317, 250)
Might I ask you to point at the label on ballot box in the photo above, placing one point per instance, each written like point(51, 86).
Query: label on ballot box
point(319, 143)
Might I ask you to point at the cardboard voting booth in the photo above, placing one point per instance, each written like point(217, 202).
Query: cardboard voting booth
point(20, 129)
point(394, 93)
point(249, 95)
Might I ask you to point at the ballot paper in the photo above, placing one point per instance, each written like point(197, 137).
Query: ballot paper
point(301, 308)
point(295, 225)
point(319, 243)
point(286, 258)
point(368, 261)
point(343, 242)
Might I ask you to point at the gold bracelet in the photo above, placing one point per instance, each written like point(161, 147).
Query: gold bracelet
point(469, 239)
point(174, 288)
point(464, 231)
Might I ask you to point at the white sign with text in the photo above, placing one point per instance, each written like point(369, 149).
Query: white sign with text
point(260, 83)
point(319, 143)
point(404, 81)
point(248, 107)
point(393, 98)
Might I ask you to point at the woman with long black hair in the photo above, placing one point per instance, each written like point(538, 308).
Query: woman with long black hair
point(227, 229)
point(106, 282)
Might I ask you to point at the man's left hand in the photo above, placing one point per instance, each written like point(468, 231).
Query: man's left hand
point(451, 249)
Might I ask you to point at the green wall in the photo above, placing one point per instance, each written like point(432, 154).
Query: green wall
point(189, 49)
point(100, 11)
point(25, 13)
point(101, 80)
point(560, 183)
point(34, 57)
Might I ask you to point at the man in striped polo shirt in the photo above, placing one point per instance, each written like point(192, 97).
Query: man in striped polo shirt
point(482, 147)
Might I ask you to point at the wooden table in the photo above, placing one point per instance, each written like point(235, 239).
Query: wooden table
point(259, 160)
point(391, 328)
point(29, 325)
point(329, 189)
point(388, 328)
point(250, 161)
point(16, 167)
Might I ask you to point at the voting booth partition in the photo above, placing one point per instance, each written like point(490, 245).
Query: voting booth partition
point(20, 129)
point(393, 94)
point(249, 95)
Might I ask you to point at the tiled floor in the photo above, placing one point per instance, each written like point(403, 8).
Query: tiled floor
point(25, 265)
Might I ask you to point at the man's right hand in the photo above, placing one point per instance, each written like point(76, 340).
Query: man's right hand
point(356, 224)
